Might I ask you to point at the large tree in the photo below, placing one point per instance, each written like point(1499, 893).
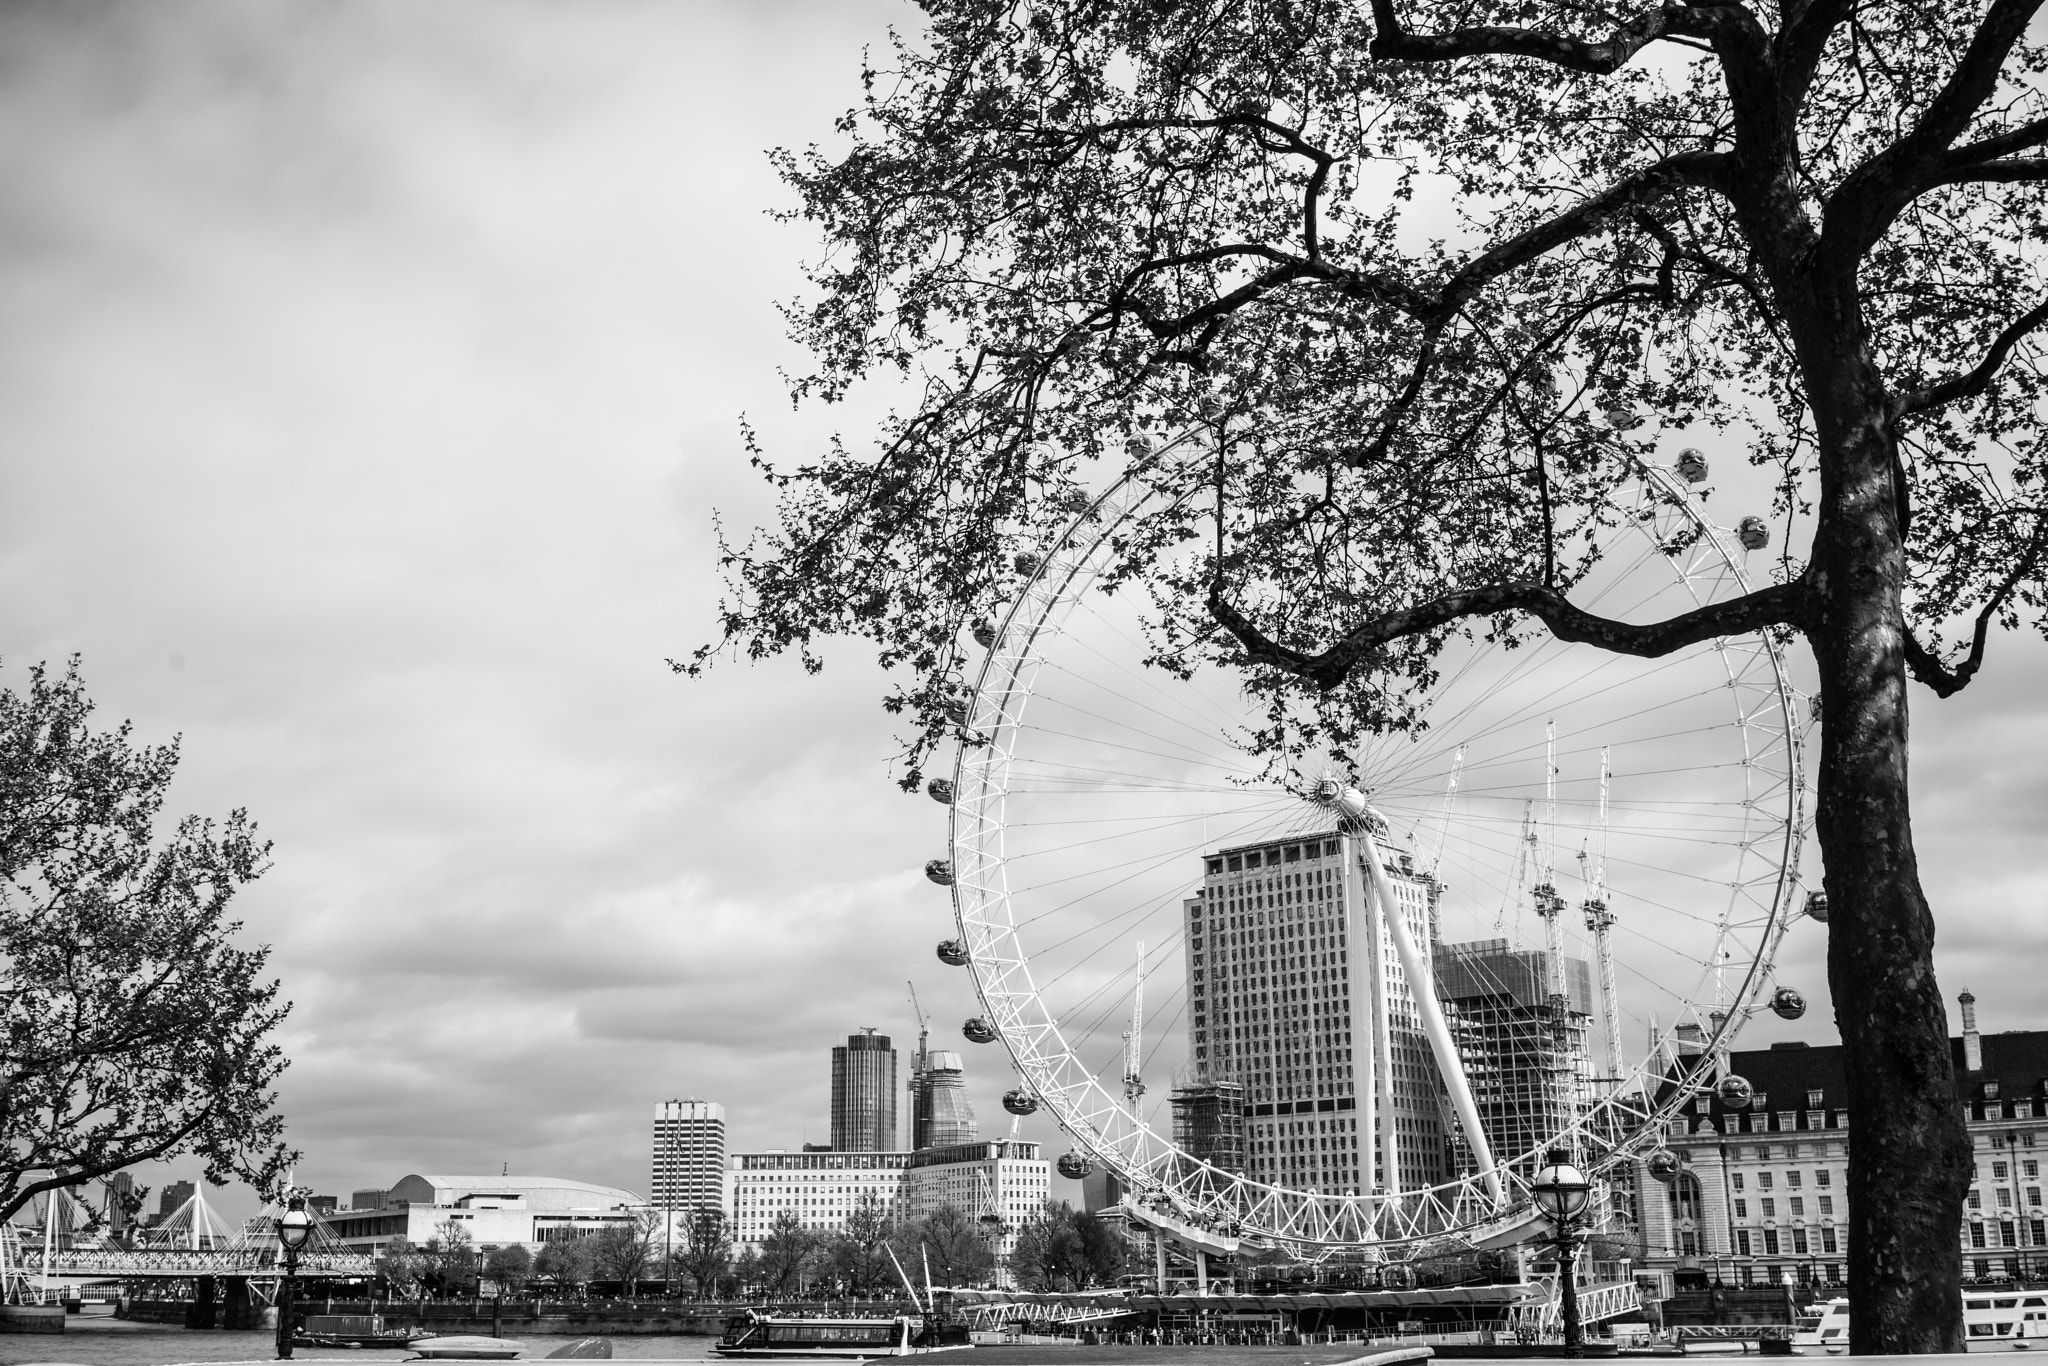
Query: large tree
point(137, 1028)
point(706, 1253)
point(1391, 258)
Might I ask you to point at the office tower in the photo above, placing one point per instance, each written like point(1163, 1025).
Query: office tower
point(689, 1156)
point(121, 1204)
point(1521, 1023)
point(175, 1193)
point(864, 1094)
point(1277, 938)
point(944, 1114)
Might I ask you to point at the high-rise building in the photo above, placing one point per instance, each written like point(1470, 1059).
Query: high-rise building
point(864, 1094)
point(174, 1194)
point(945, 1113)
point(689, 1155)
point(1297, 995)
point(1520, 1019)
point(122, 1204)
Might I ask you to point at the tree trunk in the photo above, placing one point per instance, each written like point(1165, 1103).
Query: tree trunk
point(1909, 1150)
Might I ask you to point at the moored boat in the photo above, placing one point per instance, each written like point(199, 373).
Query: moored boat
point(353, 1330)
point(464, 1347)
point(848, 1337)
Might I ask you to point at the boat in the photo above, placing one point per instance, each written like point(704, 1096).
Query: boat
point(463, 1347)
point(1993, 1321)
point(849, 1337)
point(353, 1330)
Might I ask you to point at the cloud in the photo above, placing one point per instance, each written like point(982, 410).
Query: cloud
point(372, 373)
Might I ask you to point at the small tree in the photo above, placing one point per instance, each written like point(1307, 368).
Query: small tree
point(399, 1266)
point(706, 1253)
point(627, 1251)
point(510, 1266)
point(136, 1028)
point(746, 1272)
point(786, 1252)
point(858, 1253)
point(564, 1264)
point(449, 1258)
point(950, 1243)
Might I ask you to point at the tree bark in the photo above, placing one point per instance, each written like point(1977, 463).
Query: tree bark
point(1909, 1149)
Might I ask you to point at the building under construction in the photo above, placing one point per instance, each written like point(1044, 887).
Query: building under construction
point(1208, 1122)
point(1520, 1019)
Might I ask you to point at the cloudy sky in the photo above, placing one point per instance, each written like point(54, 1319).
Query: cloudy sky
point(369, 375)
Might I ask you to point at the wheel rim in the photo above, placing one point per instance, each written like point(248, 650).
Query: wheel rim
point(1765, 828)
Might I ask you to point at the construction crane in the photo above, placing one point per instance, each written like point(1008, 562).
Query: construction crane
point(1600, 920)
point(1520, 877)
point(1134, 1037)
point(1548, 902)
point(920, 1061)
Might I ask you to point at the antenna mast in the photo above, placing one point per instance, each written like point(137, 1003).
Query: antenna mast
point(1134, 1040)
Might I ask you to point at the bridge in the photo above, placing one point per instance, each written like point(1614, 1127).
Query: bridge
point(62, 1245)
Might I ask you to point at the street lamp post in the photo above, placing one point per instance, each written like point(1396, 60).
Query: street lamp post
point(1561, 1193)
point(293, 1228)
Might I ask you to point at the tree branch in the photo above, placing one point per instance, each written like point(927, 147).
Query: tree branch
point(1778, 605)
point(1862, 208)
point(1947, 682)
point(2026, 168)
point(1392, 42)
point(1975, 381)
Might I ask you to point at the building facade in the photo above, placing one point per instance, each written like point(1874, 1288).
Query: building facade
point(689, 1156)
point(821, 1188)
point(864, 1094)
point(1000, 1183)
point(494, 1211)
point(1761, 1193)
point(1296, 995)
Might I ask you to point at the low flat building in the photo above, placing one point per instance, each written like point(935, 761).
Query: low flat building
point(495, 1211)
point(820, 1188)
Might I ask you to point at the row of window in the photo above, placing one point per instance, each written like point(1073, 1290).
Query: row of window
point(1769, 1207)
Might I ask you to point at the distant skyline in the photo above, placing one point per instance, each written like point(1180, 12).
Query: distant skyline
point(370, 377)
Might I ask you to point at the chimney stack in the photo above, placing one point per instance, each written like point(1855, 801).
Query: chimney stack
point(1973, 1045)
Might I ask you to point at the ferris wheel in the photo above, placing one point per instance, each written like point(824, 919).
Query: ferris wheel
point(1382, 987)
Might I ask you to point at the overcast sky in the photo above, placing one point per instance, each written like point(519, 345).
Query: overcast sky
point(368, 375)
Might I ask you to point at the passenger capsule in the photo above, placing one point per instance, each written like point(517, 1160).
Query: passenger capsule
point(1027, 564)
point(1074, 1165)
point(1664, 1165)
point(1753, 534)
point(940, 870)
point(1787, 1004)
point(956, 710)
point(940, 790)
point(1735, 1092)
point(1692, 465)
point(979, 1030)
point(952, 953)
point(1019, 1101)
point(983, 633)
point(1138, 447)
point(1817, 906)
point(1622, 417)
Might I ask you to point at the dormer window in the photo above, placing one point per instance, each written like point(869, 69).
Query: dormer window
point(1991, 1089)
point(1814, 1099)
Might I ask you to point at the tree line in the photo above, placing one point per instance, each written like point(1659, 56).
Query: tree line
point(1059, 1248)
